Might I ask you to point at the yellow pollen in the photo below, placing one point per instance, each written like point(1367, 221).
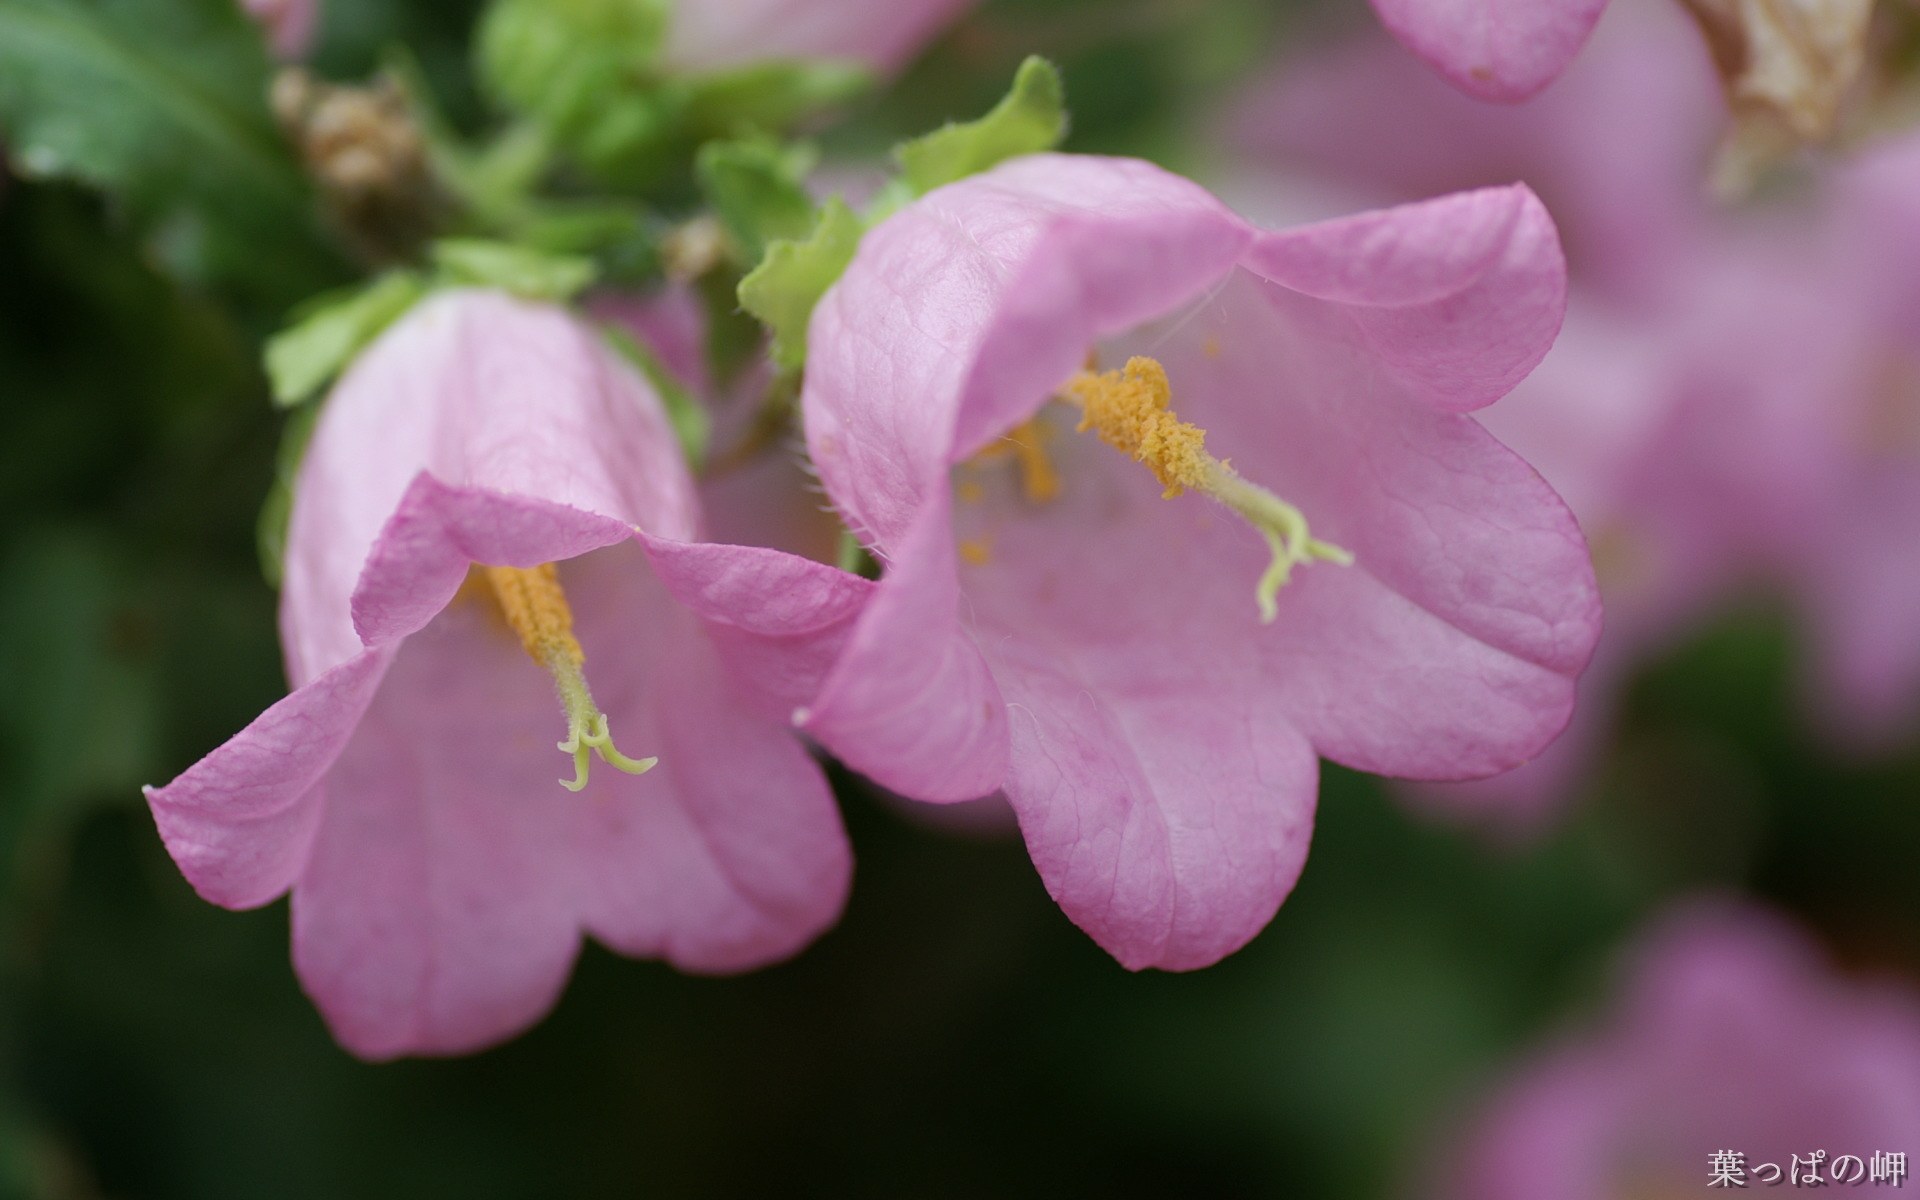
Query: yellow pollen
point(1130, 410)
point(536, 610)
point(1026, 443)
point(977, 551)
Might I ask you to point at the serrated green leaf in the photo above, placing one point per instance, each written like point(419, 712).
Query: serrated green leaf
point(162, 103)
point(527, 273)
point(784, 288)
point(689, 417)
point(304, 357)
point(1032, 117)
point(756, 185)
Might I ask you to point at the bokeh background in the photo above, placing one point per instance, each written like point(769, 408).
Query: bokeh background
point(955, 1036)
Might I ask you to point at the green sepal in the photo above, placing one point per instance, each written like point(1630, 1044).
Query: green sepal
point(328, 331)
point(1032, 117)
point(525, 272)
point(784, 288)
point(688, 416)
point(757, 187)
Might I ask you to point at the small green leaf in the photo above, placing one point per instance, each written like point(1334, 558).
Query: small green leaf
point(305, 356)
point(756, 187)
point(689, 417)
point(527, 273)
point(786, 285)
point(1031, 117)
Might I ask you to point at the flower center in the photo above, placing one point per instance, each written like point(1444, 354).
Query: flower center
point(1027, 445)
point(536, 610)
point(1131, 410)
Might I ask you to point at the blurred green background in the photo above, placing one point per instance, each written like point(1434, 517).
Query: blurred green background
point(955, 1036)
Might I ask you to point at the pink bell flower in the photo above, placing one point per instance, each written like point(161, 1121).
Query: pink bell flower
point(1732, 403)
point(1110, 641)
point(492, 511)
point(1732, 1048)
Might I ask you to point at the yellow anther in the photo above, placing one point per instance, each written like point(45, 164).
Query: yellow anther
point(1026, 443)
point(1129, 409)
point(536, 610)
point(976, 551)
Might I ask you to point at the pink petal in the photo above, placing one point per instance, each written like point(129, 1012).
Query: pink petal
point(776, 619)
point(737, 857)
point(712, 35)
point(1503, 50)
point(437, 914)
point(239, 822)
point(452, 875)
point(911, 703)
point(1169, 827)
point(1462, 296)
point(288, 24)
point(1449, 650)
point(480, 391)
point(977, 302)
point(437, 533)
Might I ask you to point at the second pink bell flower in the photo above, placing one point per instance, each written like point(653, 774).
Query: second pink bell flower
point(1108, 640)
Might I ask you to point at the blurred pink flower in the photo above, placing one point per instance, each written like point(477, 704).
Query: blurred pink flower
point(405, 792)
point(1859, 572)
point(714, 35)
point(288, 24)
point(1502, 50)
point(1050, 625)
point(1729, 1033)
point(1696, 410)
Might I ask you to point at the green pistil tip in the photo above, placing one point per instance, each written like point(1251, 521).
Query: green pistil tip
point(590, 737)
point(587, 732)
point(1285, 529)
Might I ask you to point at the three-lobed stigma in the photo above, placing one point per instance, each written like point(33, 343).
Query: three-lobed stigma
point(1132, 410)
point(536, 610)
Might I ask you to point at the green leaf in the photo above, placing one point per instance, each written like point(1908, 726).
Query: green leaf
point(770, 95)
point(689, 417)
point(562, 61)
point(304, 357)
point(162, 103)
point(784, 288)
point(583, 71)
point(528, 273)
point(1031, 117)
point(756, 185)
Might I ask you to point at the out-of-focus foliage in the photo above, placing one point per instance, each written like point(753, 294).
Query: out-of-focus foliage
point(162, 105)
